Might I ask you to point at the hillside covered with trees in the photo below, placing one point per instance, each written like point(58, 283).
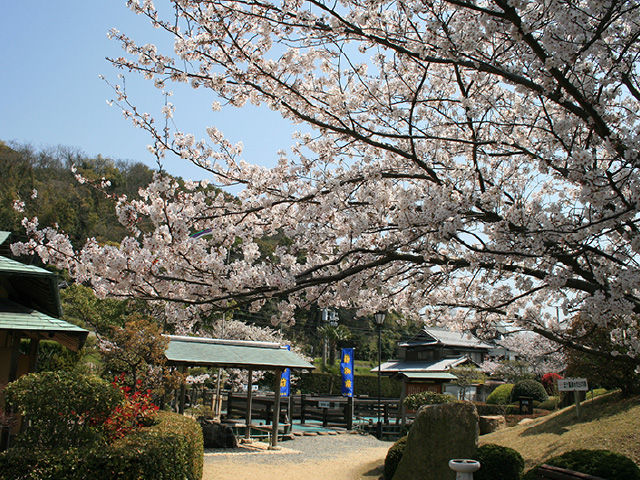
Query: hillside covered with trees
point(44, 185)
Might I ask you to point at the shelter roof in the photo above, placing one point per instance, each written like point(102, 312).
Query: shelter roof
point(31, 286)
point(14, 316)
point(194, 351)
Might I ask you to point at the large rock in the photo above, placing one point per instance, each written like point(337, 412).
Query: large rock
point(217, 435)
point(491, 423)
point(439, 434)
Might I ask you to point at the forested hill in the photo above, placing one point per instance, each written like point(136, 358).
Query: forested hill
point(43, 180)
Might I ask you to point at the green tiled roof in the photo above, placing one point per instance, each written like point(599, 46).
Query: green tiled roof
point(3, 236)
point(192, 351)
point(11, 266)
point(31, 286)
point(20, 318)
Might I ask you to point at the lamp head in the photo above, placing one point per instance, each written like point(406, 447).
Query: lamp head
point(379, 318)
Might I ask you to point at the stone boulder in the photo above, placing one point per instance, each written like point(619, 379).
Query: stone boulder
point(439, 434)
point(491, 423)
point(217, 435)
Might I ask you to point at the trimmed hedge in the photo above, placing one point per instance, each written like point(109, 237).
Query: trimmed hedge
point(417, 400)
point(63, 409)
point(328, 384)
point(170, 450)
point(599, 463)
point(498, 463)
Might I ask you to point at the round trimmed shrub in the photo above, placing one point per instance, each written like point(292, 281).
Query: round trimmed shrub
point(394, 455)
point(498, 463)
point(501, 395)
point(599, 463)
point(529, 388)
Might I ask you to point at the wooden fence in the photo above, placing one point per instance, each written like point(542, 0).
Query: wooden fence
point(332, 411)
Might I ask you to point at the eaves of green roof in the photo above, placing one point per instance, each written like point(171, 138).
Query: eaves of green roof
point(193, 351)
point(31, 286)
point(31, 322)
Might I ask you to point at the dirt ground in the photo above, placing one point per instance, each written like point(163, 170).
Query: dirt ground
point(329, 458)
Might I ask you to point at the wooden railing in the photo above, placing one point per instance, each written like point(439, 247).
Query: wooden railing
point(332, 411)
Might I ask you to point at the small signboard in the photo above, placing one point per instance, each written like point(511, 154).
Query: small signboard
point(573, 385)
point(322, 404)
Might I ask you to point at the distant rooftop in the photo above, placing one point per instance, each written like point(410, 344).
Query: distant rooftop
point(444, 337)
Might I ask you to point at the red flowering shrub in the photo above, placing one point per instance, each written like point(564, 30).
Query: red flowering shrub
point(550, 382)
point(137, 410)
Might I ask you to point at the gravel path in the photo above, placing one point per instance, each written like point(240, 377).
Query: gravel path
point(327, 457)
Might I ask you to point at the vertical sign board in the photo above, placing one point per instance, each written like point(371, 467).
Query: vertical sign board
point(285, 380)
point(574, 385)
point(346, 368)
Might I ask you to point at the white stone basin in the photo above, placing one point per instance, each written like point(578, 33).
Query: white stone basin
point(464, 465)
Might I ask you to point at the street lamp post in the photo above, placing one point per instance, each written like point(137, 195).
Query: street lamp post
point(379, 319)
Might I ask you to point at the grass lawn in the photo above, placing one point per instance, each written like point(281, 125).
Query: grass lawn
point(610, 422)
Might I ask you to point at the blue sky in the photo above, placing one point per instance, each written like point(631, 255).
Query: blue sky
point(50, 92)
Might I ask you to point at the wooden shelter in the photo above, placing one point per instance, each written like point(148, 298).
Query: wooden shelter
point(247, 355)
point(29, 310)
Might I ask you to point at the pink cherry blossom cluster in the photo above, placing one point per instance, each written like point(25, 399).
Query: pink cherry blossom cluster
point(463, 162)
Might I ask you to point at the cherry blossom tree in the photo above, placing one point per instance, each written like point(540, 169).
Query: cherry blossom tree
point(466, 160)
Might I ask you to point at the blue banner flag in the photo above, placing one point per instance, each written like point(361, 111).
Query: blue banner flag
point(285, 380)
point(346, 368)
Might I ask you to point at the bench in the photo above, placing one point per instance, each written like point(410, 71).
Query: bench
point(549, 472)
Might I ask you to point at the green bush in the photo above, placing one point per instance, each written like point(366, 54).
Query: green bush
point(416, 400)
point(170, 450)
point(529, 388)
point(599, 463)
point(394, 455)
point(498, 463)
point(64, 409)
point(551, 404)
point(501, 395)
point(596, 393)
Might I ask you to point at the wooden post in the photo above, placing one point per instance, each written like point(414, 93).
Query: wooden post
point(403, 408)
point(349, 413)
point(183, 388)
point(13, 339)
point(276, 410)
point(33, 354)
point(576, 397)
point(247, 430)
point(303, 405)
